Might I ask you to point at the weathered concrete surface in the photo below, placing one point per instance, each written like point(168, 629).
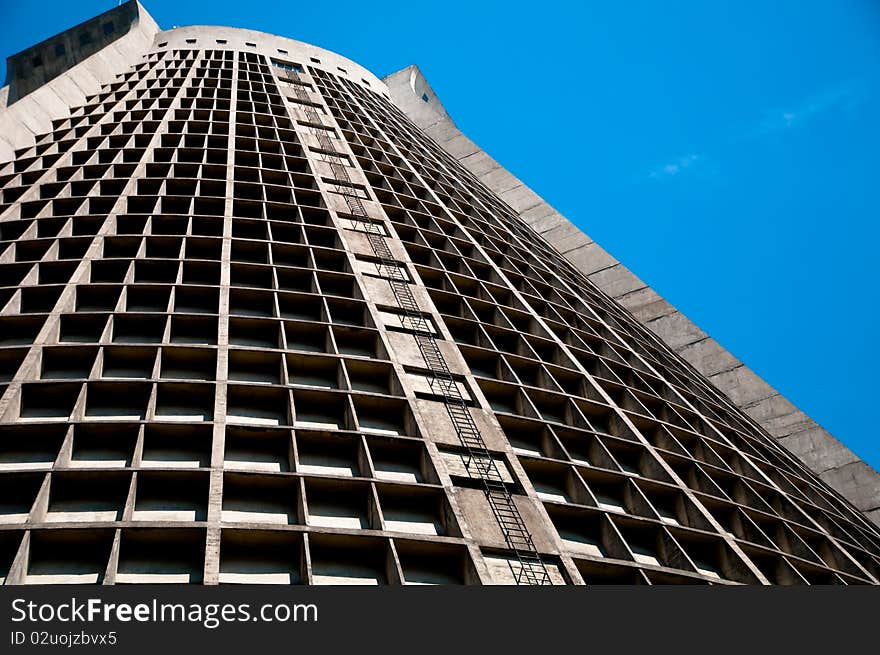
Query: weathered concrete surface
point(37, 95)
point(820, 451)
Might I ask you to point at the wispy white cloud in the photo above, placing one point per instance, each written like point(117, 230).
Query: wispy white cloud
point(845, 96)
point(675, 166)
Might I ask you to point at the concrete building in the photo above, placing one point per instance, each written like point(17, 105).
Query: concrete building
point(260, 321)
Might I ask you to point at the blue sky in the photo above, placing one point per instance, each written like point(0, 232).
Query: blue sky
point(725, 151)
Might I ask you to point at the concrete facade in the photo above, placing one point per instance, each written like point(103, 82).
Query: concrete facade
point(812, 444)
point(257, 327)
point(45, 81)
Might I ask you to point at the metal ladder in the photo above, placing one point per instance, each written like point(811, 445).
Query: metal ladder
point(479, 462)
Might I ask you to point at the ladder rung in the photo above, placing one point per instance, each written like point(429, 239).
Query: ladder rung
point(516, 534)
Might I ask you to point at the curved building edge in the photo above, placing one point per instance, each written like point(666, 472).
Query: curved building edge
point(43, 85)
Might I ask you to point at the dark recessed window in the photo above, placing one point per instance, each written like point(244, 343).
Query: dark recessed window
point(365, 81)
point(425, 97)
point(315, 60)
point(283, 52)
point(163, 44)
point(250, 45)
point(342, 69)
point(287, 66)
point(190, 40)
point(37, 61)
point(221, 41)
point(108, 27)
point(60, 50)
point(85, 38)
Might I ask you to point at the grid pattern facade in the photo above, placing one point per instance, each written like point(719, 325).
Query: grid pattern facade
point(256, 327)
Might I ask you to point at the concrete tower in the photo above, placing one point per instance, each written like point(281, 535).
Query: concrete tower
point(256, 325)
